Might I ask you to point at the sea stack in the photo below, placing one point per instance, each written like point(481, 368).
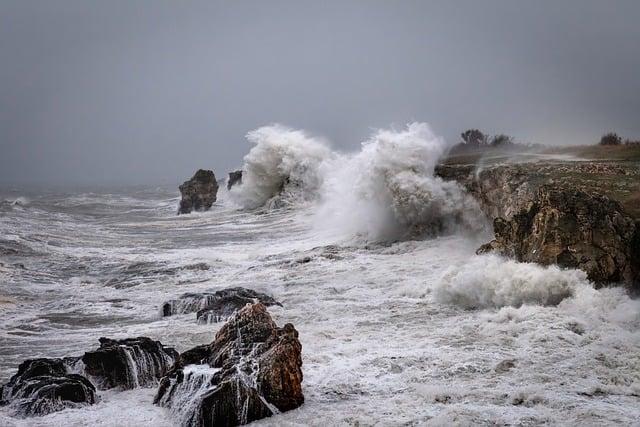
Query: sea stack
point(199, 192)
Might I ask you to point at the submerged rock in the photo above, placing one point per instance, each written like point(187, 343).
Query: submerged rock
point(216, 306)
point(128, 363)
point(252, 370)
point(198, 193)
point(235, 177)
point(43, 386)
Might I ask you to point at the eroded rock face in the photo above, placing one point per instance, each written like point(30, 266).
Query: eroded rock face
point(559, 214)
point(128, 363)
point(198, 193)
point(43, 386)
point(216, 306)
point(572, 229)
point(252, 370)
point(235, 177)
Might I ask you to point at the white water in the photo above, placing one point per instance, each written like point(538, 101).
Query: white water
point(388, 331)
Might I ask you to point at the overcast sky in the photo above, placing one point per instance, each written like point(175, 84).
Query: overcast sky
point(147, 91)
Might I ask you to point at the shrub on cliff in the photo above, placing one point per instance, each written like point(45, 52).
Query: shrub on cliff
point(610, 138)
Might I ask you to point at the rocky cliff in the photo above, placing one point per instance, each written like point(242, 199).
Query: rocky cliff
point(575, 214)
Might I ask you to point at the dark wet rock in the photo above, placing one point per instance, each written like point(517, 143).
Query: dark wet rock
point(235, 177)
point(128, 363)
point(198, 193)
point(215, 306)
point(43, 386)
point(252, 370)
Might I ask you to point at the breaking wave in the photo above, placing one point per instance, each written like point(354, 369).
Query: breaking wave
point(282, 167)
point(386, 191)
point(492, 281)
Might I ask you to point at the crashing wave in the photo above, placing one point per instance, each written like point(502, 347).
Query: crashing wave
point(281, 168)
point(388, 191)
point(489, 281)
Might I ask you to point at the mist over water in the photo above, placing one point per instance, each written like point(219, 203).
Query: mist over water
point(373, 259)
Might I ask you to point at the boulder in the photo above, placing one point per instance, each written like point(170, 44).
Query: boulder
point(235, 177)
point(198, 193)
point(252, 370)
point(128, 363)
point(215, 306)
point(43, 386)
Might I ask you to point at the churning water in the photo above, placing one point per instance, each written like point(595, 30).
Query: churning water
point(373, 260)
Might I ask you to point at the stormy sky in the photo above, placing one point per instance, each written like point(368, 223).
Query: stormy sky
point(126, 92)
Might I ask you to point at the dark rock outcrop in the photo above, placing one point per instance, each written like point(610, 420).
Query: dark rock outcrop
point(559, 214)
point(252, 370)
point(128, 363)
point(573, 229)
point(43, 386)
point(216, 306)
point(198, 193)
point(235, 177)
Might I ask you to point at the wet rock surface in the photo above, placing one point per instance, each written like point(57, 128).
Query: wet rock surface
point(576, 215)
point(235, 177)
point(43, 386)
point(215, 306)
point(251, 370)
point(198, 193)
point(128, 363)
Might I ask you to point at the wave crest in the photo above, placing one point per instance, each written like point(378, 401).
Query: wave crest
point(491, 281)
point(282, 167)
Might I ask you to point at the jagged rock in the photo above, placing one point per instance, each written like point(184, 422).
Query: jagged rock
point(235, 177)
point(252, 370)
point(198, 193)
point(215, 306)
point(572, 229)
point(560, 213)
point(128, 363)
point(43, 386)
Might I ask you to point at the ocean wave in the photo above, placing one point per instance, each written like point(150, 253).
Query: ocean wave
point(491, 281)
point(282, 168)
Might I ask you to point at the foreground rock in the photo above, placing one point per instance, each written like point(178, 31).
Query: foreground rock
point(216, 306)
point(128, 363)
point(198, 193)
point(561, 214)
point(235, 177)
point(252, 370)
point(43, 386)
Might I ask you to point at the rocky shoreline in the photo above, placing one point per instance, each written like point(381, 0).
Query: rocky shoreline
point(576, 214)
point(252, 369)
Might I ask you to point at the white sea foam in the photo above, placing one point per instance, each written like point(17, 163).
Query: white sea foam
point(492, 281)
point(281, 167)
point(388, 191)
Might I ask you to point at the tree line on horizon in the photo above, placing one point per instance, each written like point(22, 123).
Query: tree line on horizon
point(476, 139)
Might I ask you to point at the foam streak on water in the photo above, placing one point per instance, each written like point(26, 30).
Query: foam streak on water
point(396, 328)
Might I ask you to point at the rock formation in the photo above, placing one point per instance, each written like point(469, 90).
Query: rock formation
point(251, 370)
point(198, 193)
point(128, 363)
point(215, 306)
point(560, 214)
point(235, 177)
point(43, 386)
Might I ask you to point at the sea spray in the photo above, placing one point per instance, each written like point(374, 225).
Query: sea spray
point(388, 191)
point(281, 168)
point(492, 281)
